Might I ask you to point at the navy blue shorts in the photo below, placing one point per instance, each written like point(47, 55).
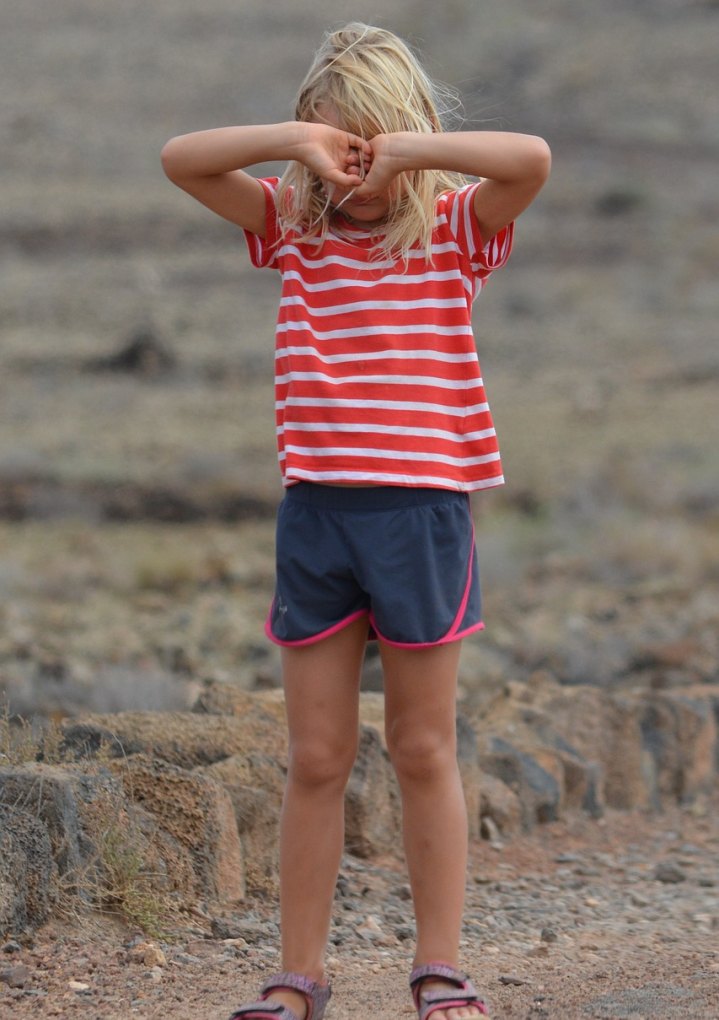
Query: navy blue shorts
point(403, 557)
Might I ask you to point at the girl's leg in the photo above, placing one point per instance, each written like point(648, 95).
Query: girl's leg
point(420, 720)
point(321, 684)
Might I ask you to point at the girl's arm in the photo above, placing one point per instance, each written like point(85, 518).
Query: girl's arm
point(210, 165)
point(513, 167)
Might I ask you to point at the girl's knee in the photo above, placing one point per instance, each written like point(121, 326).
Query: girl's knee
point(422, 757)
point(319, 764)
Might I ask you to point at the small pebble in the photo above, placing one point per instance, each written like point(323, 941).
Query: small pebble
point(15, 977)
point(669, 873)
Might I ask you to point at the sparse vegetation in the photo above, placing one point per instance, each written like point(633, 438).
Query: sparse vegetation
point(118, 878)
point(115, 874)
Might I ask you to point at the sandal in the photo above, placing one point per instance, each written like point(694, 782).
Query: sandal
point(316, 994)
point(431, 1002)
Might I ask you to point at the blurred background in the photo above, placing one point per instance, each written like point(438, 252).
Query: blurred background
point(138, 478)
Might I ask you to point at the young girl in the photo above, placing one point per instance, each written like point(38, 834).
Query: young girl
point(383, 431)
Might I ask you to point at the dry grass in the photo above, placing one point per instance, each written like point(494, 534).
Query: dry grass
point(116, 876)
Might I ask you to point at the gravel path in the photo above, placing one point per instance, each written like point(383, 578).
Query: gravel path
point(582, 919)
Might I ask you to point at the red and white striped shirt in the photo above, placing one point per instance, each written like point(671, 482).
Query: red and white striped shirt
point(377, 379)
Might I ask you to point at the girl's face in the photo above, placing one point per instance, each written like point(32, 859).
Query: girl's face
point(368, 211)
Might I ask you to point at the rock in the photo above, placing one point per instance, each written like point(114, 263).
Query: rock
point(81, 833)
point(500, 804)
point(469, 772)
point(521, 718)
point(186, 739)
point(605, 729)
point(164, 857)
point(490, 832)
point(669, 872)
point(372, 712)
point(197, 812)
point(654, 747)
point(538, 790)
point(50, 794)
point(255, 784)
point(15, 977)
point(372, 800)
point(148, 953)
point(28, 872)
point(372, 680)
point(218, 697)
point(583, 783)
point(370, 927)
point(679, 733)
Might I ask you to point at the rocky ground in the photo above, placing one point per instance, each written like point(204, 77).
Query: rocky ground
point(608, 919)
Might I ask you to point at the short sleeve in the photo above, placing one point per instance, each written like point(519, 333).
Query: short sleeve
point(263, 250)
point(484, 256)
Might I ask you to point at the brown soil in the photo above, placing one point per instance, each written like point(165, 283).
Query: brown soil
point(595, 934)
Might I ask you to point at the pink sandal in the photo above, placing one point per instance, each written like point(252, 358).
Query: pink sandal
point(317, 996)
point(431, 1002)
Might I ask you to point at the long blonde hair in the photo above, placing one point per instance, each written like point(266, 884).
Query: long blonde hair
point(376, 85)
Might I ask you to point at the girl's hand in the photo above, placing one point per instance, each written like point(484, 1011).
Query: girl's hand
point(338, 157)
point(384, 165)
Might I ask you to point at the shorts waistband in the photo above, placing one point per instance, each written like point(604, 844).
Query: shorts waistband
point(379, 497)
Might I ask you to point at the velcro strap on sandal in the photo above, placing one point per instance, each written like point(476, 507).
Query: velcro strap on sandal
point(316, 994)
point(263, 1011)
point(429, 1002)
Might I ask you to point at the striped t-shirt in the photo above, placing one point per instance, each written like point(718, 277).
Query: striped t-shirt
point(377, 379)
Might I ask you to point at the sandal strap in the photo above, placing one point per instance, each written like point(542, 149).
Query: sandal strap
point(316, 994)
point(427, 1003)
point(264, 1011)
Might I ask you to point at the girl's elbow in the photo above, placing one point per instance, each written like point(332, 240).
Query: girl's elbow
point(541, 158)
point(170, 160)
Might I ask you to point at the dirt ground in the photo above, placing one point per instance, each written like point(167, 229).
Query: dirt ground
point(576, 921)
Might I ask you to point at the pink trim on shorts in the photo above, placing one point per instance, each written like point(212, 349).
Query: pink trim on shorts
point(334, 629)
point(447, 639)
point(454, 633)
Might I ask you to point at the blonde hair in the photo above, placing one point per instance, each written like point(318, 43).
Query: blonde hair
point(376, 85)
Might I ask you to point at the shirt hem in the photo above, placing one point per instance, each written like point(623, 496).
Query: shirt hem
point(409, 482)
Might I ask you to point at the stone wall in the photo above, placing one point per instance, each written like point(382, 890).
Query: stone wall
point(188, 803)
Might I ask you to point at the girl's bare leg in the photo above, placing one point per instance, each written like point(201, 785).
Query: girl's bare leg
point(321, 684)
point(420, 720)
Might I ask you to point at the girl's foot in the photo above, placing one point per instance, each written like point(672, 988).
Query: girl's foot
point(292, 1000)
point(441, 992)
point(300, 998)
point(455, 1012)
